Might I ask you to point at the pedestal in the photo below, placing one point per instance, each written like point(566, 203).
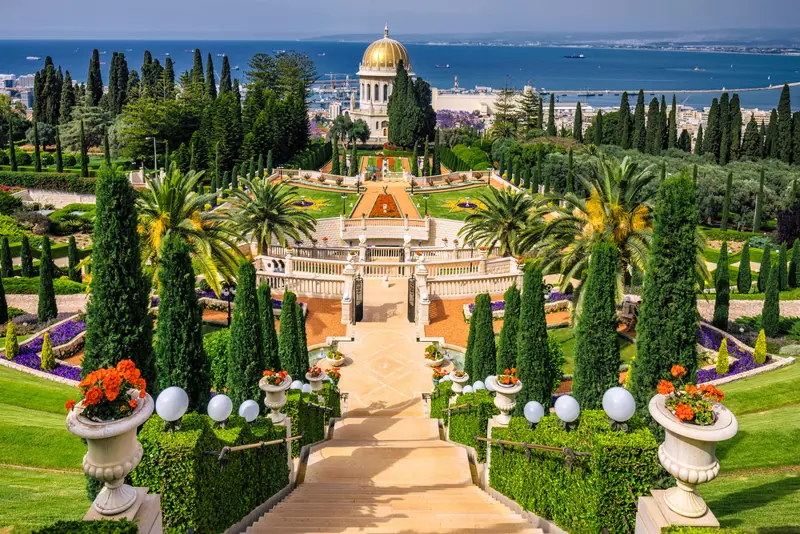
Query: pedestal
point(145, 511)
point(653, 514)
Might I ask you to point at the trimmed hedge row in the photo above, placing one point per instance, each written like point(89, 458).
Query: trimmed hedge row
point(194, 491)
point(30, 286)
point(701, 530)
point(307, 420)
point(593, 494)
point(55, 181)
point(440, 399)
point(122, 526)
point(465, 424)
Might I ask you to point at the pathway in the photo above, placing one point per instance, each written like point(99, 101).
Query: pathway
point(373, 189)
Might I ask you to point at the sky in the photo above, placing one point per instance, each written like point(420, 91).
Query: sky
point(288, 19)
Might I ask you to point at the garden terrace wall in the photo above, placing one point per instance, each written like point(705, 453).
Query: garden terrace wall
point(195, 491)
point(595, 492)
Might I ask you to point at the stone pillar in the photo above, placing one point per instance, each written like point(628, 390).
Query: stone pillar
point(482, 260)
point(541, 189)
point(423, 306)
point(407, 247)
point(288, 262)
point(349, 274)
point(362, 246)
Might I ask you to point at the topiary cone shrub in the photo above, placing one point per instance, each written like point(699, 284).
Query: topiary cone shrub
point(723, 363)
point(48, 358)
point(12, 345)
point(760, 352)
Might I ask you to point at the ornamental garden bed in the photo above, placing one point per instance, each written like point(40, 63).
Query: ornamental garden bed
point(554, 302)
point(67, 333)
point(385, 207)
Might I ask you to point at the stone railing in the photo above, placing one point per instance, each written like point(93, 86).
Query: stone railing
point(384, 228)
point(321, 251)
point(317, 266)
point(464, 287)
point(385, 269)
point(317, 286)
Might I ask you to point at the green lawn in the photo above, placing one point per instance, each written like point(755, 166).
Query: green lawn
point(566, 336)
point(442, 205)
point(33, 434)
point(327, 203)
point(756, 255)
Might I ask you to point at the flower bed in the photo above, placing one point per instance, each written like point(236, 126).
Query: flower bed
point(554, 302)
point(391, 211)
point(59, 335)
point(711, 338)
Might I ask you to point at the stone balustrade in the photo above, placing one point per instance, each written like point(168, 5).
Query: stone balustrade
point(463, 287)
point(384, 228)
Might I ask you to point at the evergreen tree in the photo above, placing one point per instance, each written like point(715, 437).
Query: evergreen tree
point(106, 147)
point(759, 203)
point(699, 145)
point(415, 161)
point(597, 357)
point(723, 148)
point(577, 130)
point(796, 138)
point(624, 125)
point(771, 137)
point(289, 338)
point(3, 303)
point(211, 79)
point(484, 356)
point(535, 369)
point(225, 76)
point(723, 364)
point(47, 294)
point(354, 167)
point(12, 149)
point(37, 157)
point(67, 99)
point(598, 128)
point(744, 280)
point(663, 125)
point(501, 164)
point(685, 141)
point(507, 351)
point(226, 181)
point(252, 172)
point(48, 359)
point(196, 74)
point(763, 271)
point(235, 178)
point(73, 271)
point(118, 322)
point(436, 166)
point(722, 284)
point(759, 353)
point(667, 326)
point(551, 117)
point(94, 81)
point(301, 358)
point(713, 133)
point(260, 166)
point(269, 163)
point(529, 108)
point(794, 262)
point(653, 128)
point(246, 359)
point(783, 274)
point(84, 154)
point(752, 141)
point(6, 262)
point(335, 160)
point(25, 257)
point(726, 203)
point(59, 154)
point(570, 173)
point(673, 124)
point(735, 129)
point(469, 357)
point(784, 142)
point(771, 312)
point(639, 131)
point(426, 164)
point(268, 333)
point(180, 358)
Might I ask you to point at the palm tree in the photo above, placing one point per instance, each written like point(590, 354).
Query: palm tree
point(171, 204)
point(505, 219)
point(264, 211)
point(359, 132)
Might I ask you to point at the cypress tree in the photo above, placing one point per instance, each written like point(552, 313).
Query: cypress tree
point(301, 358)
point(484, 356)
point(673, 124)
point(752, 141)
point(335, 160)
point(252, 172)
point(246, 358)
point(577, 129)
point(73, 271)
point(570, 173)
point(759, 202)
point(763, 271)
point(639, 131)
point(501, 164)
point(771, 312)
point(289, 338)
point(260, 166)
point(744, 280)
point(426, 163)
point(67, 99)
point(180, 358)
point(106, 147)
point(722, 284)
point(783, 275)
point(118, 322)
point(47, 294)
point(235, 178)
point(667, 327)
point(26, 258)
point(624, 124)
point(723, 148)
point(700, 142)
point(94, 81)
point(771, 137)
point(784, 140)
point(225, 76)
point(469, 357)
point(268, 332)
point(59, 155)
point(354, 161)
point(196, 74)
point(226, 181)
point(507, 351)
point(436, 166)
point(663, 125)
point(535, 369)
point(3, 303)
point(726, 203)
point(598, 128)
point(269, 162)
point(415, 161)
point(6, 263)
point(551, 117)
point(597, 357)
point(735, 129)
point(713, 134)
point(37, 156)
point(794, 262)
point(796, 138)
point(12, 149)
point(653, 128)
point(84, 154)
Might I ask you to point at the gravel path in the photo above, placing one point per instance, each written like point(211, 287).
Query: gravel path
point(65, 303)
point(746, 308)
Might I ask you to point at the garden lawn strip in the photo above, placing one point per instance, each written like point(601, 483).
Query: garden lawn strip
point(38, 439)
point(764, 392)
point(29, 500)
point(28, 391)
point(776, 428)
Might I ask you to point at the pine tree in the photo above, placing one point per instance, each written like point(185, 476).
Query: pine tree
point(6, 262)
point(535, 368)
point(551, 117)
point(48, 359)
point(639, 131)
point(484, 360)
point(225, 76)
point(783, 274)
point(794, 263)
point(37, 157)
point(529, 108)
point(667, 326)
point(577, 129)
point(180, 358)
point(597, 357)
point(26, 258)
point(268, 333)
point(699, 145)
point(624, 124)
point(73, 270)
point(301, 358)
point(94, 81)
point(784, 142)
point(744, 280)
point(763, 271)
point(507, 351)
point(771, 312)
point(759, 203)
point(118, 322)
point(570, 173)
point(269, 162)
point(3, 303)
point(246, 364)
point(726, 203)
point(47, 294)
point(59, 154)
point(598, 128)
point(289, 338)
point(722, 284)
point(84, 154)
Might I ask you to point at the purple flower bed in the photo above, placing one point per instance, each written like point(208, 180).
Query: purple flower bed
point(498, 305)
point(59, 335)
point(34, 362)
point(555, 296)
point(711, 339)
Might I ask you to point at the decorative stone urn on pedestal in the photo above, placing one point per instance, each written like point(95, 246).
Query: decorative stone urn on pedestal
point(113, 452)
point(334, 362)
point(315, 381)
point(505, 400)
point(688, 454)
point(276, 398)
point(458, 382)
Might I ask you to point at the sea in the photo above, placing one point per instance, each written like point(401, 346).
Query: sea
point(603, 72)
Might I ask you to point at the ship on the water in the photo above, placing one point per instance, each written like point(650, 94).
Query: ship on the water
point(579, 56)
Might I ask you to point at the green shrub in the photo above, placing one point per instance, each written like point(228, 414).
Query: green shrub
point(593, 494)
point(216, 346)
point(73, 218)
point(12, 344)
point(790, 350)
point(30, 286)
point(66, 182)
point(465, 424)
point(440, 399)
point(760, 352)
point(332, 400)
point(306, 420)
point(9, 203)
point(122, 526)
point(723, 364)
point(195, 492)
point(700, 530)
point(9, 228)
point(48, 359)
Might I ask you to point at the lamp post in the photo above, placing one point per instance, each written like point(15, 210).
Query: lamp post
point(228, 291)
point(426, 196)
point(344, 201)
point(155, 155)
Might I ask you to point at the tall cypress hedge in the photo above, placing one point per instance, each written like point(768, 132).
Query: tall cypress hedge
point(667, 326)
point(507, 351)
point(302, 340)
point(771, 312)
point(26, 258)
point(180, 358)
point(744, 279)
point(269, 336)
point(484, 354)
point(783, 274)
point(468, 356)
point(289, 338)
point(535, 369)
point(794, 262)
point(722, 284)
point(73, 271)
point(47, 294)
point(596, 349)
point(119, 324)
point(246, 363)
point(6, 262)
point(763, 271)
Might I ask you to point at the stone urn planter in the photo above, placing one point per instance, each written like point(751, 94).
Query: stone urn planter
point(276, 398)
point(458, 383)
point(688, 454)
point(113, 452)
point(316, 382)
point(435, 363)
point(333, 362)
point(505, 400)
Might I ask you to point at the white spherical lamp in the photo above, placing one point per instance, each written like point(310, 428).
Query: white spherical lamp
point(533, 412)
point(567, 409)
point(445, 378)
point(249, 410)
point(306, 388)
point(490, 383)
point(468, 389)
point(618, 404)
point(172, 403)
point(220, 408)
point(478, 385)
point(296, 385)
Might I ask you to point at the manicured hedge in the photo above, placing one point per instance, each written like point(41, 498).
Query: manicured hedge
point(440, 398)
point(465, 424)
point(216, 346)
point(66, 182)
point(332, 400)
point(194, 491)
point(596, 492)
point(122, 526)
point(308, 421)
point(30, 286)
point(701, 530)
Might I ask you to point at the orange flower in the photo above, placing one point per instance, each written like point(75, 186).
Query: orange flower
point(691, 390)
point(514, 379)
point(677, 371)
point(69, 405)
point(711, 392)
point(93, 396)
point(126, 366)
point(132, 404)
point(684, 412)
point(506, 371)
point(513, 370)
point(665, 387)
point(142, 393)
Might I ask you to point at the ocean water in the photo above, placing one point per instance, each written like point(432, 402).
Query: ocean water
point(601, 70)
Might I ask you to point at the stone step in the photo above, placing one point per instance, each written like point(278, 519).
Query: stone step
point(390, 524)
point(336, 509)
point(386, 428)
point(386, 528)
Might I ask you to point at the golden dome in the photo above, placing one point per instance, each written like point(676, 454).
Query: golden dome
point(385, 53)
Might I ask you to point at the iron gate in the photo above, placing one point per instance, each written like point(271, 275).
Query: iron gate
point(412, 300)
point(357, 310)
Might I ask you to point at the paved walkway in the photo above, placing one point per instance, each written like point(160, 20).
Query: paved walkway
point(373, 189)
point(65, 303)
